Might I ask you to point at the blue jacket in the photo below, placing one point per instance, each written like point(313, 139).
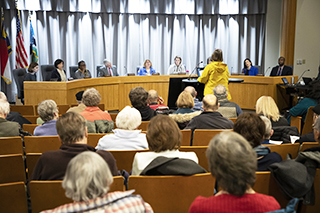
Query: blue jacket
point(143, 71)
point(253, 71)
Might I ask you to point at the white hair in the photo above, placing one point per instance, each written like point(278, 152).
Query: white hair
point(268, 125)
point(106, 61)
point(87, 177)
point(128, 118)
point(4, 107)
point(46, 109)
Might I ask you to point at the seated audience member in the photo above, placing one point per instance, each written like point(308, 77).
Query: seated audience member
point(269, 131)
point(266, 106)
point(193, 92)
point(107, 70)
point(164, 139)
point(82, 72)
point(209, 60)
point(72, 131)
point(185, 112)
point(281, 70)
point(153, 100)
point(147, 68)
point(252, 128)
point(177, 67)
point(309, 137)
point(32, 72)
point(210, 118)
point(81, 106)
point(14, 116)
point(248, 69)
point(126, 136)
point(227, 108)
point(138, 97)
point(59, 74)
point(316, 132)
point(233, 163)
point(49, 113)
point(87, 182)
point(7, 128)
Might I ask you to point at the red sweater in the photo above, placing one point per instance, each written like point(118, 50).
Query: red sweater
point(249, 203)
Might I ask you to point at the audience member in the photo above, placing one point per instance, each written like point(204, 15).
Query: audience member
point(126, 136)
point(81, 106)
point(227, 108)
point(316, 132)
point(281, 69)
point(154, 100)
point(209, 60)
point(233, 163)
point(59, 74)
point(87, 182)
point(185, 112)
point(309, 137)
point(32, 72)
point(49, 113)
point(7, 128)
point(266, 106)
point(210, 118)
point(108, 69)
point(147, 68)
point(269, 131)
point(72, 131)
point(164, 139)
point(248, 69)
point(138, 97)
point(193, 92)
point(177, 67)
point(82, 71)
point(252, 128)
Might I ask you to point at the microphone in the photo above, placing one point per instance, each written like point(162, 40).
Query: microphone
point(302, 75)
point(126, 69)
point(266, 72)
point(231, 70)
point(194, 69)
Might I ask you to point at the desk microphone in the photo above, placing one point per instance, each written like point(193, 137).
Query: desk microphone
point(126, 70)
point(266, 72)
point(194, 69)
point(231, 70)
point(302, 75)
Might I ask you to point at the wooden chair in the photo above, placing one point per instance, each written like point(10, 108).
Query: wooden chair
point(101, 106)
point(63, 108)
point(275, 192)
point(13, 197)
point(32, 118)
point(186, 137)
point(296, 121)
point(23, 109)
point(307, 145)
point(316, 207)
point(29, 127)
point(202, 137)
point(200, 152)
point(93, 138)
point(144, 125)
point(262, 182)
point(233, 119)
point(12, 168)
point(40, 144)
point(172, 193)
point(307, 127)
point(11, 145)
point(113, 116)
point(284, 149)
point(125, 158)
point(31, 162)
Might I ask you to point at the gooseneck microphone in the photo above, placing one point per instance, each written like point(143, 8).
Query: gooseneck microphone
point(302, 75)
point(126, 69)
point(266, 72)
point(194, 69)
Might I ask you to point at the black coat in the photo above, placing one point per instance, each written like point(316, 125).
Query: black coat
point(285, 71)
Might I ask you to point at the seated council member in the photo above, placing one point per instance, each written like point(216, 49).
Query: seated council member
point(147, 68)
point(59, 74)
point(107, 70)
point(177, 67)
point(32, 72)
point(248, 69)
point(49, 113)
point(281, 69)
point(82, 72)
point(233, 163)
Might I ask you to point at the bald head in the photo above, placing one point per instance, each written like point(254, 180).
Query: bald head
point(152, 96)
point(220, 92)
point(3, 96)
point(191, 90)
point(210, 103)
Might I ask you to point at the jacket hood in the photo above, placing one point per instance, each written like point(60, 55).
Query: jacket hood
point(220, 67)
point(180, 118)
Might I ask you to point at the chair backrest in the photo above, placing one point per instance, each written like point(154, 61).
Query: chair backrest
point(97, 69)
point(262, 182)
point(200, 152)
point(144, 125)
point(101, 106)
point(12, 168)
point(307, 145)
point(72, 70)
point(18, 75)
point(40, 144)
point(46, 72)
point(202, 137)
point(113, 116)
point(307, 127)
point(11, 145)
point(93, 138)
point(63, 108)
point(186, 137)
point(31, 162)
point(172, 193)
point(125, 158)
point(13, 197)
point(32, 118)
point(23, 109)
point(315, 208)
point(284, 149)
point(29, 127)
point(296, 121)
point(233, 119)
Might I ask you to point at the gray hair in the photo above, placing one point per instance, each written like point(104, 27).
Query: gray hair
point(128, 118)
point(233, 162)
point(4, 107)
point(91, 97)
point(106, 61)
point(153, 95)
point(317, 124)
point(220, 92)
point(191, 90)
point(46, 110)
point(87, 177)
point(268, 124)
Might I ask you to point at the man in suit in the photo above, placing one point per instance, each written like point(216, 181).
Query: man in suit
point(107, 69)
point(281, 70)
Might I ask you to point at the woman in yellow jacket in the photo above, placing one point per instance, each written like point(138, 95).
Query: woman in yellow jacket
point(215, 73)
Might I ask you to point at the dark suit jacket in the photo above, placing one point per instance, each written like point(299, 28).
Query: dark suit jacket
point(285, 71)
point(55, 74)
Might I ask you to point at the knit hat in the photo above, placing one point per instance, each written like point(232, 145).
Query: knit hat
point(316, 109)
point(79, 95)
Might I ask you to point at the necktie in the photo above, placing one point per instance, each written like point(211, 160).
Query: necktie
point(279, 72)
point(109, 71)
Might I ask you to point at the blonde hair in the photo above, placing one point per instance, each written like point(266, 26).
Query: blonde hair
point(185, 100)
point(147, 60)
point(267, 106)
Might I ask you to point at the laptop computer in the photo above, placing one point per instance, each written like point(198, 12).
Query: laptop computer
point(306, 80)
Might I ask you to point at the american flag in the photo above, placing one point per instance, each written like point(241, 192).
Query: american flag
point(21, 54)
